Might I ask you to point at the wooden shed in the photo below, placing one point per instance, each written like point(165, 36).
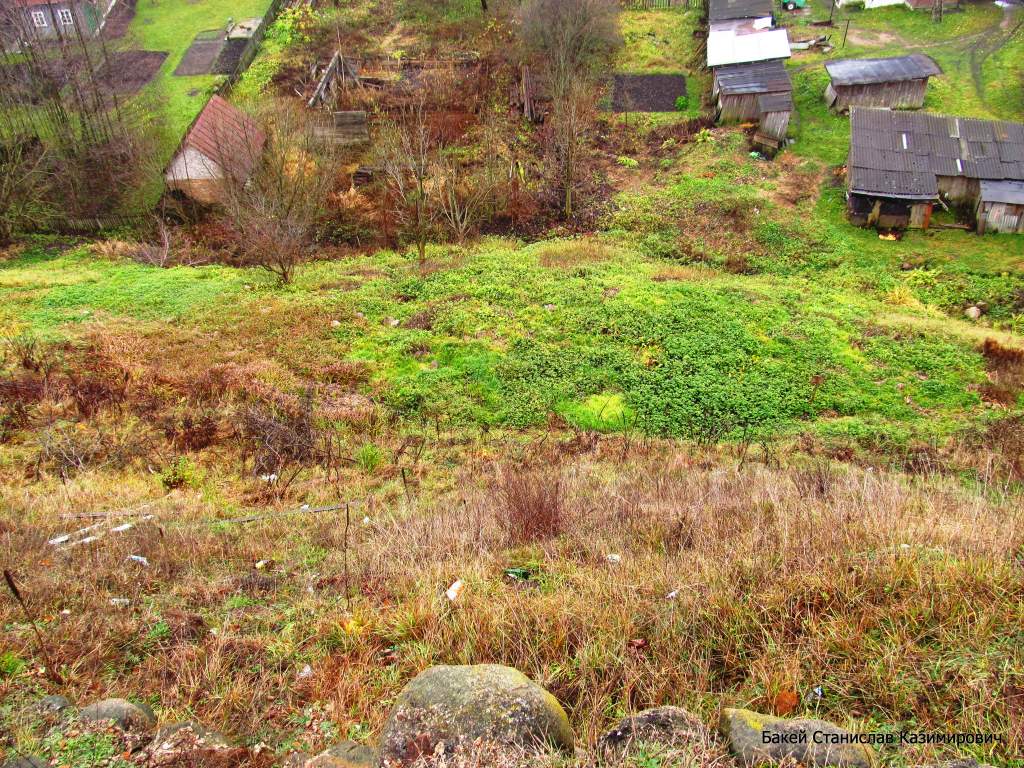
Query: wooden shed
point(759, 92)
point(899, 82)
point(223, 145)
point(1001, 206)
point(902, 163)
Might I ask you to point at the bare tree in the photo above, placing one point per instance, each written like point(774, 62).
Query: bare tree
point(464, 196)
point(407, 156)
point(572, 40)
point(275, 212)
point(25, 176)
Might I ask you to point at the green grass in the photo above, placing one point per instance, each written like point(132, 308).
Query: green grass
point(170, 25)
point(656, 42)
point(894, 31)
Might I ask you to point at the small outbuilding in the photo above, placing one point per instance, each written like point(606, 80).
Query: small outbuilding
point(756, 91)
point(902, 164)
point(899, 82)
point(1001, 207)
point(223, 146)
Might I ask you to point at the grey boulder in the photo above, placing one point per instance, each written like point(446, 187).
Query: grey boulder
point(53, 705)
point(671, 727)
point(757, 739)
point(486, 705)
point(347, 754)
point(123, 713)
point(176, 732)
point(25, 761)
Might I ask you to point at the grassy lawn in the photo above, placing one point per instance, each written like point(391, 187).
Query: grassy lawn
point(170, 25)
point(974, 83)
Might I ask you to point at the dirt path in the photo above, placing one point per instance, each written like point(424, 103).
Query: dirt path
point(995, 40)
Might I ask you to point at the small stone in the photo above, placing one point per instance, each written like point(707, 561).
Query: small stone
point(28, 761)
point(746, 733)
point(906, 266)
point(295, 760)
point(206, 736)
point(549, 307)
point(347, 754)
point(973, 312)
point(483, 706)
point(671, 727)
point(335, 323)
point(130, 717)
point(53, 705)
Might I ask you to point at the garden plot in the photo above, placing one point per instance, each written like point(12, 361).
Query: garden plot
point(126, 72)
point(647, 93)
point(202, 56)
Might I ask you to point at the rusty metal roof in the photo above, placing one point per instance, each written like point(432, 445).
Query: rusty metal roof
point(891, 70)
point(900, 154)
point(227, 136)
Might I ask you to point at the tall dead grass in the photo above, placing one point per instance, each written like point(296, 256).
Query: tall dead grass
point(672, 578)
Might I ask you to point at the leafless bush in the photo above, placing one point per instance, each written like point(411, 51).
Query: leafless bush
point(464, 197)
point(274, 214)
point(571, 39)
point(67, 448)
point(407, 158)
point(282, 441)
point(156, 254)
point(532, 506)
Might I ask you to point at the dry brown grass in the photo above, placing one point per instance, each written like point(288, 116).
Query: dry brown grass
point(899, 597)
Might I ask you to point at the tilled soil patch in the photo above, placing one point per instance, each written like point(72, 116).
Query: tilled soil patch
point(647, 93)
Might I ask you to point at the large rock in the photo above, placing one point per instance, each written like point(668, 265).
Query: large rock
point(53, 705)
point(670, 727)
point(347, 754)
point(487, 704)
point(757, 739)
point(124, 714)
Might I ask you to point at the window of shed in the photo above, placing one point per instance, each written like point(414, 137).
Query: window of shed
point(39, 18)
point(66, 18)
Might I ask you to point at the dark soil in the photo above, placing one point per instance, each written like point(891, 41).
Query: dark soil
point(647, 93)
point(128, 71)
point(202, 55)
point(230, 56)
point(118, 19)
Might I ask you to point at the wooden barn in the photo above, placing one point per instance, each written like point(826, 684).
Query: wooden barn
point(223, 145)
point(902, 164)
point(899, 82)
point(1000, 206)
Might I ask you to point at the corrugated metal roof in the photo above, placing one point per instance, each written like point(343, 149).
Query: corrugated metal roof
point(913, 148)
point(727, 46)
point(1002, 192)
point(725, 10)
point(892, 70)
point(775, 102)
point(754, 77)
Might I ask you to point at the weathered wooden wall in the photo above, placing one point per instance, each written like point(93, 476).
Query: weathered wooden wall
point(908, 94)
point(1000, 217)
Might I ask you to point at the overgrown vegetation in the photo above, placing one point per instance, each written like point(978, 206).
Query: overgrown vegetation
point(682, 433)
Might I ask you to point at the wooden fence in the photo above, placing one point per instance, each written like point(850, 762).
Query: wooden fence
point(655, 5)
